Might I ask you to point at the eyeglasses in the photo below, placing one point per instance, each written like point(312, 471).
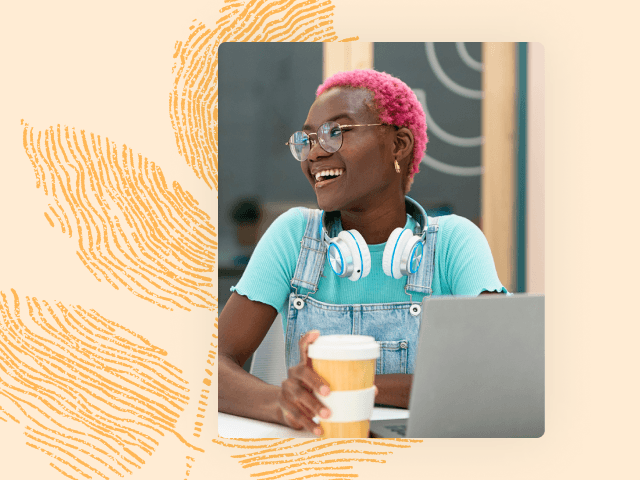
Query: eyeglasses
point(329, 137)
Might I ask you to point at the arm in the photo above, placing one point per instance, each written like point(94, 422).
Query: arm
point(245, 321)
point(394, 389)
point(241, 328)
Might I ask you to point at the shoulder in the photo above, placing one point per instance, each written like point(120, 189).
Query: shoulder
point(454, 228)
point(464, 258)
point(272, 265)
point(287, 229)
point(459, 238)
point(292, 219)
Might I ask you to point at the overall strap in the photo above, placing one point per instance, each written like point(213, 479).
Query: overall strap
point(313, 252)
point(421, 280)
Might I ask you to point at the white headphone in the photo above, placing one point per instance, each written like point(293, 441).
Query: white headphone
point(349, 255)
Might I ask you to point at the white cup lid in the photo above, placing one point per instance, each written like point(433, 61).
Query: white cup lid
point(344, 347)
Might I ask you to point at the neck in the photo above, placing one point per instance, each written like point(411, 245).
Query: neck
point(376, 222)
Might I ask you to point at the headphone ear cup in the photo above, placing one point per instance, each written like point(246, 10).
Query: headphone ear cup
point(359, 252)
point(393, 251)
point(388, 251)
point(411, 256)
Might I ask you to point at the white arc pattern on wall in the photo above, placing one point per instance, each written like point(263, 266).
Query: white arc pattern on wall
point(434, 127)
point(466, 58)
point(444, 78)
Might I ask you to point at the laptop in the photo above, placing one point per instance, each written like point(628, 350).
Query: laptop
point(479, 370)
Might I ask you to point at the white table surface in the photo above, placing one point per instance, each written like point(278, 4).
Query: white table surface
point(230, 426)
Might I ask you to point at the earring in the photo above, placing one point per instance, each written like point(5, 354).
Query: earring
point(395, 162)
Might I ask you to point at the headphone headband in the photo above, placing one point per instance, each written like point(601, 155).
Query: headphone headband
point(349, 255)
point(418, 213)
point(413, 208)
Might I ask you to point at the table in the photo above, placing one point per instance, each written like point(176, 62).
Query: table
point(231, 426)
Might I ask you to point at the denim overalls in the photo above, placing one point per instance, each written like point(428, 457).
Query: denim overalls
point(394, 325)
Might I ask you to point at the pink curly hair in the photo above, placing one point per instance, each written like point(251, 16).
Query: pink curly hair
point(395, 102)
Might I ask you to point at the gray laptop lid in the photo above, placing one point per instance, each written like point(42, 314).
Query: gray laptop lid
point(479, 368)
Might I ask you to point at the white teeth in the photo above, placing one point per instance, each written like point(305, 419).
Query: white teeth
point(325, 173)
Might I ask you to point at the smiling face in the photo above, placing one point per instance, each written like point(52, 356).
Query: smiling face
point(365, 159)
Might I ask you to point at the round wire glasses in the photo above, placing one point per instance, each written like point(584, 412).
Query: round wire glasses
point(329, 136)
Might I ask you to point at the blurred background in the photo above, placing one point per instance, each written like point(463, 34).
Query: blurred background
point(484, 161)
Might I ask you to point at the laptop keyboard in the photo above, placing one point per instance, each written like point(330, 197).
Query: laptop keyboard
point(400, 429)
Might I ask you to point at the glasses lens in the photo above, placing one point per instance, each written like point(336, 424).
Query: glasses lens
point(330, 137)
point(299, 146)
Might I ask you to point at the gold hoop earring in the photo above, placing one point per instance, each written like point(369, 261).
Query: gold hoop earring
point(395, 162)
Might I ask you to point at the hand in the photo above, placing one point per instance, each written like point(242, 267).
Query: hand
point(296, 400)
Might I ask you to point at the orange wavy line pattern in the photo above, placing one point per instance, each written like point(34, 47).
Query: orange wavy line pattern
point(132, 229)
point(299, 459)
point(262, 21)
point(205, 394)
point(193, 102)
point(193, 114)
point(93, 395)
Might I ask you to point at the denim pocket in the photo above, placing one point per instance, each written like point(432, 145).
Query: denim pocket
point(393, 357)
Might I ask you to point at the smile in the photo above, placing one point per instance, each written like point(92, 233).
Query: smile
point(327, 176)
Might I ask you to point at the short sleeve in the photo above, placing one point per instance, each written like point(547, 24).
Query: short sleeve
point(272, 265)
point(468, 267)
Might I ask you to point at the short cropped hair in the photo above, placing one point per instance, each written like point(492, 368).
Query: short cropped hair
point(395, 102)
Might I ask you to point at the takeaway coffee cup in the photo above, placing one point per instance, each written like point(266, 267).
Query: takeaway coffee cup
point(348, 364)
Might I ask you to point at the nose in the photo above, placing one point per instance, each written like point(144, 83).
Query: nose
point(316, 150)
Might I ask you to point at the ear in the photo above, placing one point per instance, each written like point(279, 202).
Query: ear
point(403, 145)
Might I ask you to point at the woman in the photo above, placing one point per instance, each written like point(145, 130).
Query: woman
point(360, 148)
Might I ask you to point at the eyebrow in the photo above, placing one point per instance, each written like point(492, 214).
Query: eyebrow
point(332, 119)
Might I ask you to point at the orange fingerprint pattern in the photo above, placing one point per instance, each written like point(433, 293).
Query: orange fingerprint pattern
point(271, 459)
point(279, 21)
point(205, 395)
point(91, 394)
point(193, 102)
point(131, 228)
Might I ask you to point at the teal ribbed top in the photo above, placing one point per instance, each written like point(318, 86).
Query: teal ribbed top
point(463, 266)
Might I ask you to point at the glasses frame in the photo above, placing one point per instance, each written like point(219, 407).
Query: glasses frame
point(313, 142)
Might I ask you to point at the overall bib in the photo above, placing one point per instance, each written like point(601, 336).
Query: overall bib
point(394, 325)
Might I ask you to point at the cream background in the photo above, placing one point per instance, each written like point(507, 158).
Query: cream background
point(106, 68)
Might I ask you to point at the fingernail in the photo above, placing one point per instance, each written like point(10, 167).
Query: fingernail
point(324, 413)
point(318, 431)
point(324, 390)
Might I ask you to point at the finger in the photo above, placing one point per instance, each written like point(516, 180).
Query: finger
point(306, 339)
point(295, 391)
point(293, 414)
point(290, 420)
point(307, 402)
point(310, 379)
